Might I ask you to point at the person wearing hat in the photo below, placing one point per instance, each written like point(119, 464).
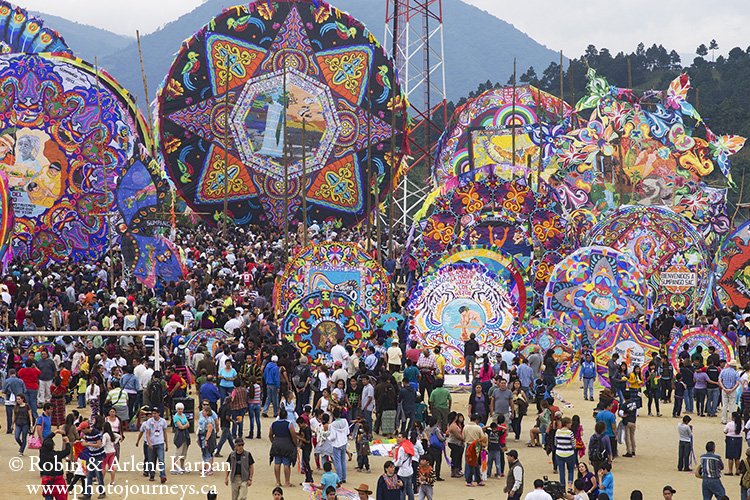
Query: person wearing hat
point(363, 491)
point(669, 491)
point(729, 382)
point(241, 470)
point(514, 482)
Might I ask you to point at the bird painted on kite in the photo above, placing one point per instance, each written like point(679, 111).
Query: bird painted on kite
point(343, 32)
point(382, 79)
point(241, 23)
point(191, 67)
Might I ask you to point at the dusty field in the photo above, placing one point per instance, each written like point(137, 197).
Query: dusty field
point(654, 466)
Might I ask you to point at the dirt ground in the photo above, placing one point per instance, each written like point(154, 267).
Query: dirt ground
point(654, 466)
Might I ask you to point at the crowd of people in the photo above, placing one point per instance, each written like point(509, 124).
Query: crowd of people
point(319, 414)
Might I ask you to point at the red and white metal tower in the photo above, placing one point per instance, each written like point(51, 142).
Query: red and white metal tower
point(414, 29)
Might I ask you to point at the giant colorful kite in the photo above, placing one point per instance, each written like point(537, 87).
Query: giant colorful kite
point(666, 249)
point(481, 132)
point(140, 193)
point(336, 267)
point(65, 136)
point(276, 71)
point(700, 336)
point(499, 263)
point(458, 213)
point(24, 33)
point(732, 269)
point(631, 342)
point(564, 342)
point(459, 300)
point(595, 288)
point(315, 322)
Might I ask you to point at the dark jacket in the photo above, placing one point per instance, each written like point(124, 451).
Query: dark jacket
point(246, 460)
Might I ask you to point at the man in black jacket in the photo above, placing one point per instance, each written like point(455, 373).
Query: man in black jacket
point(471, 347)
point(241, 470)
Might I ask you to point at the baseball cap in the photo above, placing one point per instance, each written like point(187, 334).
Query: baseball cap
point(513, 453)
point(670, 489)
point(83, 425)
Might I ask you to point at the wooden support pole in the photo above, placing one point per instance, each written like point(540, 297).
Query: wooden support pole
point(106, 177)
point(304, 181)
point(285, 163)
point(368, 177)
point(145, 90)
point(226, 147)
point(562, 90)
point(513, 125)
point(541, 136)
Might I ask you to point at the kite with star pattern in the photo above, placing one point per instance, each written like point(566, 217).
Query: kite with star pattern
point(265, 67)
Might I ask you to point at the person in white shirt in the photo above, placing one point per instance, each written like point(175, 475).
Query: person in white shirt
point(579, 494)
point(338, 352)
point(171, 327)
point(339, 373)
point(403, 464)
point(538, 493)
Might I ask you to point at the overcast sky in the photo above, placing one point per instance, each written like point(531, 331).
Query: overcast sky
point(569, 25)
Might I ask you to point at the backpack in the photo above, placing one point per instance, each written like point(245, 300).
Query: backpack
point(155, 392)
point(597, 451)
point(435, 441)
point(300, 377)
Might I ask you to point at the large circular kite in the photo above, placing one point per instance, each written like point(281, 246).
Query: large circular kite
point(316, 321)
point(520, 215)
point(499, 263)
point(665, 247)
point(278, 70)
point(732, 269)
point(212, 336)
point(336, 267)
point(700, 336)
point(24, 33)
point(65, 137)
point(564, 342)
point(455, 301)
point(631, 342)
point(595, 288)
point(480, 132)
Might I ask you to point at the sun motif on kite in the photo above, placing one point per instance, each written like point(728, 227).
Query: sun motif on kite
point(250, 85)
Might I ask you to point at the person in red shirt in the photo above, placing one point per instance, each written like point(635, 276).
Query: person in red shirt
point(30, 376)
point(414, 352)
point(174, 385)
point(65, 375)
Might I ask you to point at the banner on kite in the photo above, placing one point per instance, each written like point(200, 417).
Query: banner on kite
point(315, 322)
point(595, 288)
point(459, 300)
point(704, 337)
point(631, 342)
point(335, 267)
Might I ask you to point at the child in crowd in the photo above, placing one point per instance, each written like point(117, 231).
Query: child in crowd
point(362, 441)
point(494, 450)
point(425, 478)
point(82, 392)
point(329, 478)
point(304, 435)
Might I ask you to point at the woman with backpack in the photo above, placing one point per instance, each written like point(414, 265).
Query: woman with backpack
point(600, 449)
point(652, 388)
point(519, 408)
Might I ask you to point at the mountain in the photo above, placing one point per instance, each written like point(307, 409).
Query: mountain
point(86, 41)
point(478, 46)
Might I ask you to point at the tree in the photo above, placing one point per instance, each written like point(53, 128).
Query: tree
point(713, 47)
point(529, 76)
point(674, 61)
point(702, 50)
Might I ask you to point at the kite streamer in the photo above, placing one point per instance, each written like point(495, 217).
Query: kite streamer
point(595, 288)
point(700, 336)
point(269, 69)
point(24, 33)
point(455, 301)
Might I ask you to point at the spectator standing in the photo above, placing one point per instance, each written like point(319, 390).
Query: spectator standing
point(241, 470)
point(711, 467)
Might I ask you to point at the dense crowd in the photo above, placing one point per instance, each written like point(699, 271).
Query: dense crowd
point(321, 413)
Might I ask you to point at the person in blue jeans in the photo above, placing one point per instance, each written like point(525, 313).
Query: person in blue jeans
point(253, 407)
point(494, 450)
point(588, 374)
point(154, 430)
point(688, 378)
point(226, 379)
point(22, 419)
point(711, 467)
point(44, 422)
point(712, 388)
point(272, 379)
point(92, 439)
point(339, 434)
